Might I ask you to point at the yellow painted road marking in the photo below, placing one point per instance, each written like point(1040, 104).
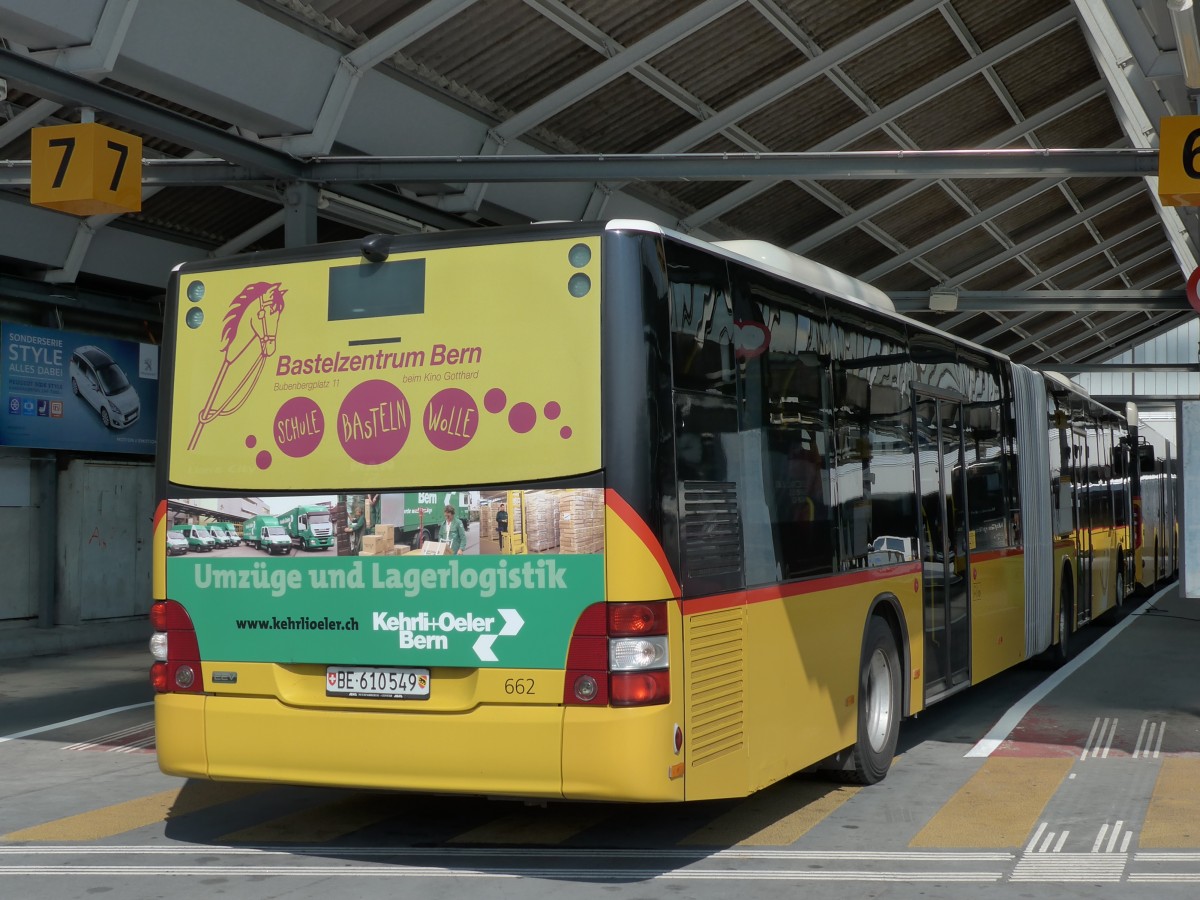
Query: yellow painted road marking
point(122, 817)
point(552, 825)
point(319, 824)
point(778, 817)
point(1172, 821)
point(998, 807)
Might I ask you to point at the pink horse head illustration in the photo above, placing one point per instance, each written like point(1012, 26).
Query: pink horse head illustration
point(246, 349)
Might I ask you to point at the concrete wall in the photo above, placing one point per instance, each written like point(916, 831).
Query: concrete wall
point(77, 552)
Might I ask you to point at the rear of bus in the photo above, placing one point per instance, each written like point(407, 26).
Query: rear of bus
point(344, 376)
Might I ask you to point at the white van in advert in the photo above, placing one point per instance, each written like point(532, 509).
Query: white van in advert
point(102, 383)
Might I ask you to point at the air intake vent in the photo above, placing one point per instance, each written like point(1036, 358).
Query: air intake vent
point(716, 661)
point(711, 532)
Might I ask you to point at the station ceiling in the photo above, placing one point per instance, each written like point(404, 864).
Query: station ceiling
point(819, 126)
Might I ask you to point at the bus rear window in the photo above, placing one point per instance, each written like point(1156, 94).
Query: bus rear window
point(372, 291)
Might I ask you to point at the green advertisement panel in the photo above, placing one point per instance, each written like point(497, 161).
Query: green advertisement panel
point(468, 611)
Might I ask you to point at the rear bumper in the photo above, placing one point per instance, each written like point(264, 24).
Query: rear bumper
point(507, 751)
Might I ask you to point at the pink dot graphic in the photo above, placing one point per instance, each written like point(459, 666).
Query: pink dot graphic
point(565, 432)
point(251, 441)
point(521, 418)
point(494, 400)
point(451, 418)
point(373, 422)
point(299, 427)
point(552, 410)
point(263, 459)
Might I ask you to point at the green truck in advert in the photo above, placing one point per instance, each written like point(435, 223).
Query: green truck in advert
point(420, 514)
point(309, 527)
point(265, 533)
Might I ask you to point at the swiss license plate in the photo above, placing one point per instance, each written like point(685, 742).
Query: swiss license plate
point(377, 683)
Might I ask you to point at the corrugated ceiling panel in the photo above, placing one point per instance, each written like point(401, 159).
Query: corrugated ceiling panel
point(922, 216)
point(624, 116)
point(368, 17)
point(1001, 276)
point(208, 216)
point(816, 110)
point(990, 22)
point(1136, 209)
point(1035, 215)
point(988, 192)
point(783, 215)
point(502, 51)
point(964, 251)
point(1084, 273)
point(1061, 247)
point(627, 23)
point(965, 116)
point(902, 62)
point(1033, 84)
point(855, 251)
point(830, 23)
point(1091, 125)
point(905, 278)
point(703, 63)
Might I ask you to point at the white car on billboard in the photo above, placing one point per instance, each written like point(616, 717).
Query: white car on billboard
point(102, 383)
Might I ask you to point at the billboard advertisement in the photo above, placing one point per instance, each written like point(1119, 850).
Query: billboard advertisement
point(68, 391)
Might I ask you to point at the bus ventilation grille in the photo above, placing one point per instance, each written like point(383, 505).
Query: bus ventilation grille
point(712, 530)
point(716, 661)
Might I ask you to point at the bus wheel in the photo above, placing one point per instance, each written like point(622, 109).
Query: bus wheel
point(1066, 609)
point(1119, 587)
point(878, 705)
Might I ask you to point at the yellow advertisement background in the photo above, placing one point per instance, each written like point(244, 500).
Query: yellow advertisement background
point(538, 344)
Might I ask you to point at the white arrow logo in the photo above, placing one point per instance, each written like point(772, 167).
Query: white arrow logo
point(483, 645)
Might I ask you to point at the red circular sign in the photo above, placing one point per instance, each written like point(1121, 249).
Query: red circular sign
point(1192, 282)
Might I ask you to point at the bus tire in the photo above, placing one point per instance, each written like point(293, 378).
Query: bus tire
point(1063, 650)
point(1119, 586)
point(879, 693)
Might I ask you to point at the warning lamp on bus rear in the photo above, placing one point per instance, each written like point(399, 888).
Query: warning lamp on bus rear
point(619, 656)
point(175, 650)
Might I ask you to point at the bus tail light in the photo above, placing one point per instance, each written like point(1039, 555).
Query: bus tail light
point(619, 656)
point(175, 650)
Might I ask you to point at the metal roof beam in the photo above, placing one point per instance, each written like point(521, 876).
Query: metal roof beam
point(71, 90)
point(1051, 301)
point(900, 164)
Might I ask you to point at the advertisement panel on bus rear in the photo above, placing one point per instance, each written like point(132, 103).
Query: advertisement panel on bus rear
point(504, 588)
point(461, 364)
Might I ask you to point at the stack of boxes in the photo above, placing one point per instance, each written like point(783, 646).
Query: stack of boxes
point(581, 521)
point(381, 541)
point(541, 521)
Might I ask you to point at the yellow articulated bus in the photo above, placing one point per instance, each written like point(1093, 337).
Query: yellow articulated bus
point(731, 517)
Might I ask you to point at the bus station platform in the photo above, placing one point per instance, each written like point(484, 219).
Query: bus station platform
point(1085, 774)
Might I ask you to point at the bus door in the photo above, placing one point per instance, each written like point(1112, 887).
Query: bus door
point(1085, 552)
point(944, 550)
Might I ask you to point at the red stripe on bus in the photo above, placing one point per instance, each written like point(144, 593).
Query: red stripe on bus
point(784, 591)
point(625, 513)
point(996, 554)
point(160, 512)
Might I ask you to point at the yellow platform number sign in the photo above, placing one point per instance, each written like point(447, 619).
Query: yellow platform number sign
point(86, 169)
point(1179, 160)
